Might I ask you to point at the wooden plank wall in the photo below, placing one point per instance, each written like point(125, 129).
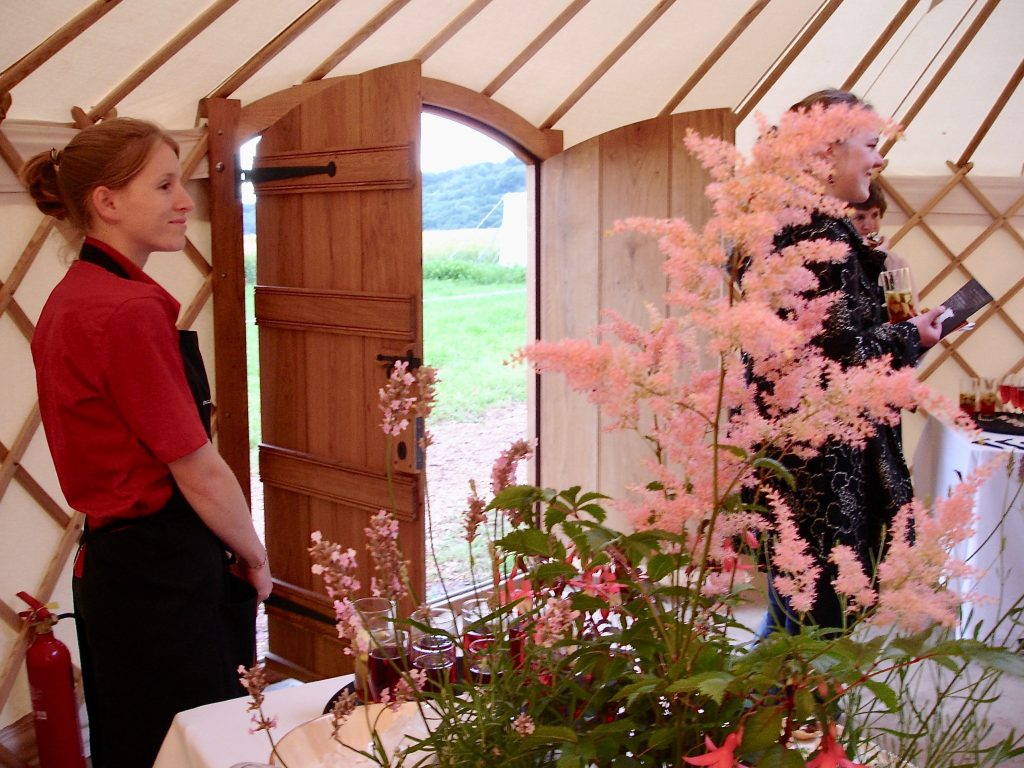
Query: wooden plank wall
point(639, 170)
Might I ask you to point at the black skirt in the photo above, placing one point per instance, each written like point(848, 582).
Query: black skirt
point(162, 628)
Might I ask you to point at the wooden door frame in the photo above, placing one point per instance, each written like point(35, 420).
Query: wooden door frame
point(229, 125)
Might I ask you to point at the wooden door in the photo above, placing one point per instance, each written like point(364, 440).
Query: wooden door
point(642, 169)
point(339, 284)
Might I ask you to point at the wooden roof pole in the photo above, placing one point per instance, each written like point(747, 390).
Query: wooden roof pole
point(753, 98)
point(158, 59)
point(361, 36)
point(712, 58)
point(535, 45)
point(944, 68)
point(24, 66)
point(879, 44)
point(451, 29)
point(992, 115)
point(609, 61)
point(270, 50)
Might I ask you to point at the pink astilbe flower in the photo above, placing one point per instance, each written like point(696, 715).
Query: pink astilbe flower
point(254, 680)
point(407, 394)
point(344, 705)
point(504, 470)
point(475, 514)
point(795, 570)
point(523, 725)
point(851, 581)
point(831, 754)
point(554, 622)
point(337, 567)
point(719, 757)
point(503, 473)
point(915, 572)
point(391, 572)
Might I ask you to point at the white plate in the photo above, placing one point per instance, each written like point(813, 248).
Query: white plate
point(310, 745)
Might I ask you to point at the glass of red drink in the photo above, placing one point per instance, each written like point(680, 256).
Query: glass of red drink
point(479, 661)
point(475, 625)
point(387, 660)
point(969, 396)
point(439, 668)
point(376, 617)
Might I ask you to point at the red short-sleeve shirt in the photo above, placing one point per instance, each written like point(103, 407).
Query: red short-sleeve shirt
point(113, 398)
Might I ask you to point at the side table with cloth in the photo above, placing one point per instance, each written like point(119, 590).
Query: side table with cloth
point(943, 456)
point(217, 735)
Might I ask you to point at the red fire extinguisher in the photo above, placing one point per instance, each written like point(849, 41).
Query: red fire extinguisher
point(52, 686)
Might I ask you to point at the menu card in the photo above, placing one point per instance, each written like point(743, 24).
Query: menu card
point(965, 302)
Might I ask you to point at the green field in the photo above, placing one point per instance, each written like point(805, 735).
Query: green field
point(474, 318)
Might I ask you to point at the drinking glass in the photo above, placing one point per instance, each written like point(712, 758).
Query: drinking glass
point(474, 627)
point(435, 655)
point(988, 397)
point(376, 615)
point(479, 661)
point(969, 396)
point(435, 617)
point(899, 294)
point(1007, 392)
point(388, 659)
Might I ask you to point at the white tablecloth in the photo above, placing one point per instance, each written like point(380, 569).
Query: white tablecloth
point(942, 456)
point(217, 735)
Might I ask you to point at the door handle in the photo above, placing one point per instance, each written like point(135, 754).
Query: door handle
point(412, 361)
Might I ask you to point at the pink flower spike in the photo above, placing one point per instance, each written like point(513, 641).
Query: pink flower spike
point(719, 757)
point(830, 754)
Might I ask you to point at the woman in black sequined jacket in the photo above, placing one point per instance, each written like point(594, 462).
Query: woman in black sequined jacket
point(848, 495)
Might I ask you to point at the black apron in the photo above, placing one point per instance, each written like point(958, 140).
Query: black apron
point(162, 624)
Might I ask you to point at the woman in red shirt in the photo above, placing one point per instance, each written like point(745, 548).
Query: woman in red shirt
point(125, 405)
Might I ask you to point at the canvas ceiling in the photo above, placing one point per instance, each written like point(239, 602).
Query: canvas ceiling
point(579, 66)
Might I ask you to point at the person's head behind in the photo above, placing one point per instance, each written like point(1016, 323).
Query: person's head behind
point(108, 154)
point(854, 159)
point(867, 216)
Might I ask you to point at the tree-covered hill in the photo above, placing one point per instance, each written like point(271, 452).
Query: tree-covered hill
point(463, 198)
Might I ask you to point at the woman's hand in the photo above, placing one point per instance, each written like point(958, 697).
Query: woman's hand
point(258, 577)
point(929, 326)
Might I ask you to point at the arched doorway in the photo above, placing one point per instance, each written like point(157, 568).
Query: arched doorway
point(307, 641)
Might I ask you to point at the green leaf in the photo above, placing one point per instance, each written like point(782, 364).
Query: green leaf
point(911, 645)
point(527, 541)
point(778, 756)
point(711, 684)
point(761, 730)
point(660, 566)
point(550, 571)
point(517, 497)
point(998, 658)
point(558, 733)
point(777, 469)
point(884, 694)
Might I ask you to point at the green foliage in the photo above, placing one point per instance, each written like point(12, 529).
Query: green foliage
point(476, 274)
point(646, 670)
point(470, 196)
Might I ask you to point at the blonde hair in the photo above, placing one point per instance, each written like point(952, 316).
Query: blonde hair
point(108, 154)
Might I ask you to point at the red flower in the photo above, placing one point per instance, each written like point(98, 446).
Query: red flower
point(830, 754)
point(719, 757)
